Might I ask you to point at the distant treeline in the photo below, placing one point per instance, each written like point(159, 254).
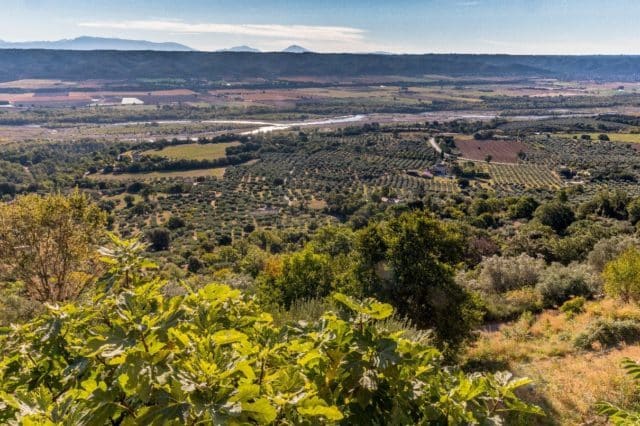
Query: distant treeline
point(128, 65)
point(161, 164)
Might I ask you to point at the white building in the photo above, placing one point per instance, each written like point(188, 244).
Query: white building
point(132, 101)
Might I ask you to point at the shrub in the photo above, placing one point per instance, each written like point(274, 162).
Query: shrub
point(633, 210)
point(175, 222)
point(500, 274)
point(606, 250)
point(521, 329)
point(523, 208)
point(608, 333)
point(508, 306)
point(159, 239)
point(622, 275)
point(49, 244)
point(555, 214)
point(560, 283)
point(573, 306)
point(212, 356)
point(299, 276)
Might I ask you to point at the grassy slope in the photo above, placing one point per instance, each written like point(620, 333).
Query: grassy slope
point(568, 381)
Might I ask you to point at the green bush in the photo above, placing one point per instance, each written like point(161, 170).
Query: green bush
point(500, 274)
point(608, 333)
point(560, 283)
point(574, 306)
point(555, 214)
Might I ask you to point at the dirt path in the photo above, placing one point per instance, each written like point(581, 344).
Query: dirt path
point(435, 146)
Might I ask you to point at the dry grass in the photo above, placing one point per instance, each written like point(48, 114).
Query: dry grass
point(571, 386)
point(568, 382)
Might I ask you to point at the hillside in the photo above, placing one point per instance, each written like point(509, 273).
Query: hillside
point(81, 65)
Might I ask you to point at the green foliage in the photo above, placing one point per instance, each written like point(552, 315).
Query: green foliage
point(135, 356)
point(633, 210)
point(555, 215)
point(159, 239)
point(523, 208)
point(573, 306)
point(608, 333)
point(501, 274)
point(175, 222)
point(560, 283)
point(408, 262)
point(301, 275)
point(604, 251)
point(508, 306)
point(49, 242)
point(622, 275)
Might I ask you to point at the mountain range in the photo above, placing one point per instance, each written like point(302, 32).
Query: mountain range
point(102, 43)
point(96, 43)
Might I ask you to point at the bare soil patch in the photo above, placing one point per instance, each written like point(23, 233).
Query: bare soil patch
point(502, 151)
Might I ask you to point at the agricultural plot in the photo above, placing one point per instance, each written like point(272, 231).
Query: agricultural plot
point(291, 184)
point(501, 151)
point(519, 177)
point(194, 151)
point(589, 155)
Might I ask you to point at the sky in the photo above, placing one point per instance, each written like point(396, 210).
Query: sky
point(397, 26)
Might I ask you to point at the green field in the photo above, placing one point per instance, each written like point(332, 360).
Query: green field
point(193, 151)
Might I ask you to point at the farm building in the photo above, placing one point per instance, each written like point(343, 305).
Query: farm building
point(441, 169)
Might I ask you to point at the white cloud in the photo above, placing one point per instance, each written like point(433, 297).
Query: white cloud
point(297, 32)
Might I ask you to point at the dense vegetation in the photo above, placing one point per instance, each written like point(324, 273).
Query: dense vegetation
point(131, 350)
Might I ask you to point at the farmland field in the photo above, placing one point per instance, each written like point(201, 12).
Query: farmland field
point(524, 176)
point(500, 150)
point(193, 151)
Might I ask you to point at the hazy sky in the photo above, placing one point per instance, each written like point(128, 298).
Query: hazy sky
point(401, 26)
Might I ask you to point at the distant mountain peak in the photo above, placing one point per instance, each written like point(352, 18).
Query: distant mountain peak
point(96, 43)
point(294, 48)
point(243, 48)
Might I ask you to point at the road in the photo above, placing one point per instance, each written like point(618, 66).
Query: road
point(435, 146)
